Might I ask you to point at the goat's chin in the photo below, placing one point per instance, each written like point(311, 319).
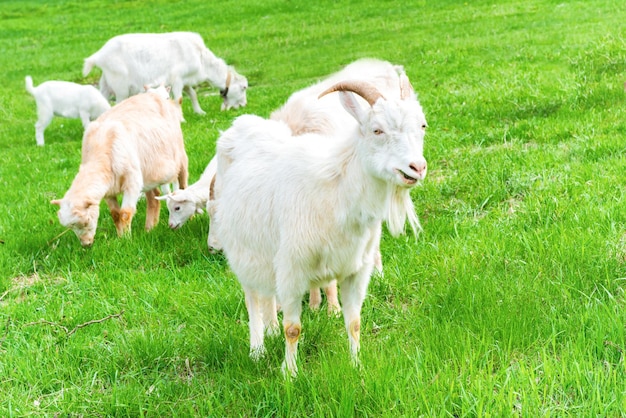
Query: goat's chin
point(405, 180)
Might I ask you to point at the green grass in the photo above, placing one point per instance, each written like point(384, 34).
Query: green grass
point(511, 302)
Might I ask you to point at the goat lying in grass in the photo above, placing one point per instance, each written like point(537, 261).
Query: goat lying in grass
point(295, 214)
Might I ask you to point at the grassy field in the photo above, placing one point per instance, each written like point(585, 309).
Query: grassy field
point(510, 303)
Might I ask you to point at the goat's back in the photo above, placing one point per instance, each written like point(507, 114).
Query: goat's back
point(305, 112)
point(141, 133)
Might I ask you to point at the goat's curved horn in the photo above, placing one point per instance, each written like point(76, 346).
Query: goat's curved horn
point(364, 89)
point(406, 89)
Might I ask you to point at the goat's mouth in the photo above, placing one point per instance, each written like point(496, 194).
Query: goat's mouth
point(406, 179)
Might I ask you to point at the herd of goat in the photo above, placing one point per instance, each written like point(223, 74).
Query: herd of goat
point(296, 202)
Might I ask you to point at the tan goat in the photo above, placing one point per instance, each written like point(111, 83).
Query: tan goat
point(134, 147)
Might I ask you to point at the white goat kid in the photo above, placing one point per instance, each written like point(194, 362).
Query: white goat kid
point(135, 147)
point(66, 99)
point(183, 204)
point(295, 214)
point(177, 59)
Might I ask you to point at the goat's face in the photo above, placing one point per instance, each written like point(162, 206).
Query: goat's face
point(180, 209)
point(392, 143)
point(235, 95)
point(81, 218)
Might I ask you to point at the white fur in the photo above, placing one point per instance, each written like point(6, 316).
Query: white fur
point(178, 59)
point(66, 99)
point(161, 90)
point(304, 113)
point(295, 214)
point(184, 203)
point(135, 147)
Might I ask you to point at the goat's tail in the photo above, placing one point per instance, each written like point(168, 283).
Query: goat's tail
point(88, 66)
point(29, 85)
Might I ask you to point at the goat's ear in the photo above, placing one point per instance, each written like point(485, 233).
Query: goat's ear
point(56, 202)
point(164, 197)
point(349, 102)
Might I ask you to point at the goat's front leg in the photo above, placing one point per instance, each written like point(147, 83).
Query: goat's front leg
point(194, 100)
point(268, 313)
point(353, 291)
point(128, 207)
point(114, 209)
point(85, 118)
point(291, 303)
point(255, 324)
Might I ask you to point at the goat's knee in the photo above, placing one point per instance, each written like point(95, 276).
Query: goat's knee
point(124, 219)
point(292, 334)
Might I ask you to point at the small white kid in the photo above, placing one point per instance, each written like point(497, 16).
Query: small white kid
point(66, 99)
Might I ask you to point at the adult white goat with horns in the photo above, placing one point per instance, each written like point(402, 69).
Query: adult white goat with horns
point(295, 214)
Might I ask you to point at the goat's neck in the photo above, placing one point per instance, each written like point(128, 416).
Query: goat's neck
point(198, 193)
point(92, 181)
point(367, 197)
point(219, 71)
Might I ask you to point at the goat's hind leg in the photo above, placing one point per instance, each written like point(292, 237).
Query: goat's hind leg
point(153, 208)
point(44, 117)
point(255, 324)
point(353, 291)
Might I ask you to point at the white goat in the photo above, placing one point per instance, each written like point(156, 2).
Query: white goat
point(66, 99)
point(184, 203)
point(136, 146)
point(304, 113)
point(177, 59)
point(294, 214)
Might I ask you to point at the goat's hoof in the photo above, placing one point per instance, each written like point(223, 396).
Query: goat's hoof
point(334, 310)
point(289, 372)
point(257, 353)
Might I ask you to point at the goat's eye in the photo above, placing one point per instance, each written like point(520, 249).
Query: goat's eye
point(424, 126)
point(378, 131)
point(176, 208)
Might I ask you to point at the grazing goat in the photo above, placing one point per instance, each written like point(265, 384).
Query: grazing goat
point(295, 214)
point(177, 59)
point(184, 203)
point(136, 146)
point(66, 99)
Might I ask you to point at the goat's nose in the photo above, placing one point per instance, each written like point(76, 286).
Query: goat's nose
point(419, 167)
